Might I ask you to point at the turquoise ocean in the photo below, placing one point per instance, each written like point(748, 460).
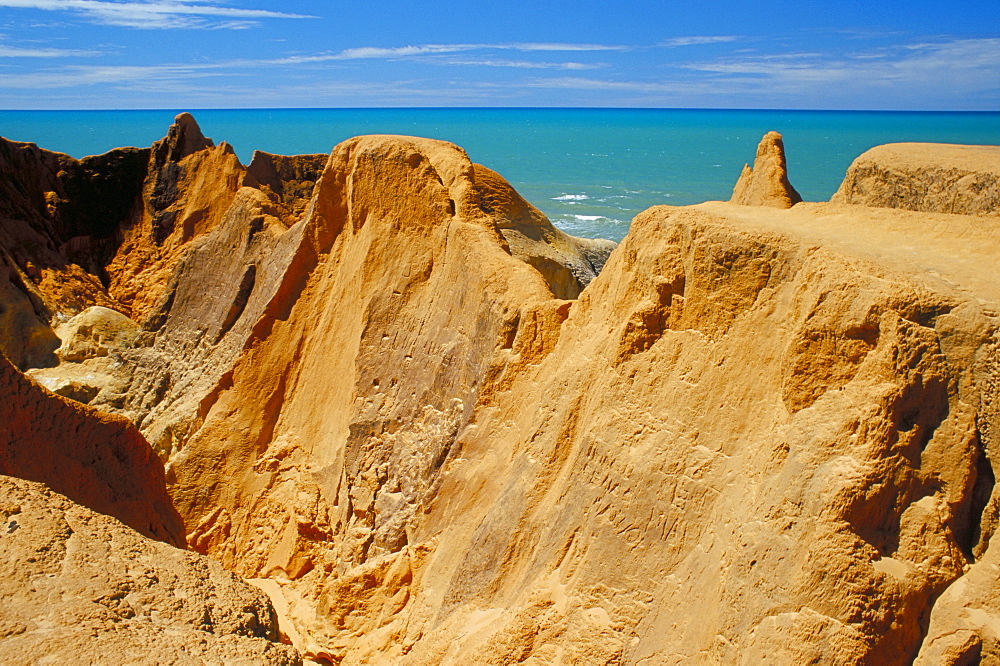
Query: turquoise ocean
point(589, 170)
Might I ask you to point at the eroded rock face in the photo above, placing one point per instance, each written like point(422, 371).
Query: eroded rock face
point(80, 587)
point(759, 435)
point(766, 184)
point(290, 178)
point(568, 263)
point(424, 274)
point(931, 177)
point(96, 459)
point(753, 410)
point(776, 492)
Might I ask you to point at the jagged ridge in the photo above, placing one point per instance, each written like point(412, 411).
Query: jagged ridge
point(759, 435)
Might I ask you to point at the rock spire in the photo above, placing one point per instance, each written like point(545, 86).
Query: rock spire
point(766, 184)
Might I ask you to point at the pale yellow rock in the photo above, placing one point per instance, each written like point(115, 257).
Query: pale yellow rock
point(766, 184)
point(90, 357)
point(96, 332)
point(931, 177)
point(80, 587)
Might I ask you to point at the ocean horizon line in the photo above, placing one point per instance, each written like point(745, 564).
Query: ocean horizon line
point(193, 109)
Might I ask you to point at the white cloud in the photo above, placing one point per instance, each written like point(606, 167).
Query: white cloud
point(370, 52)
point(156, 15)
point(958, 64)
point(519, 64)
point(18, 52)
point(412, 51)
point(924, 75)
point(89, 75)
point(698, 39)
point(544, 46)
point(928, 74)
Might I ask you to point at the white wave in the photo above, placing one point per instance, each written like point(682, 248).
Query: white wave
point(571, 197)
point(589, 218)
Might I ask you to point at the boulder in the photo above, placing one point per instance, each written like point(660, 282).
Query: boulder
point(96, 332)
point(930, 177)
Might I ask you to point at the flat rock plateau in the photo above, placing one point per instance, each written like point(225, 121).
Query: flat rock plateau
point(372, 407)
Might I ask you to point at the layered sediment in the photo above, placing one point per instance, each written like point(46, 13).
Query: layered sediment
point(436, 429)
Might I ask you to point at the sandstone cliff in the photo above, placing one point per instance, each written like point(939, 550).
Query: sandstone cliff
point(384, 382)
point(772, 430)
point(929, 177)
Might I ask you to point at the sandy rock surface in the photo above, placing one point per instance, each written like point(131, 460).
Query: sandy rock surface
point(79, 587)
point(435, 429)
point(931, 177)
point(96, 459)
point(766, 184)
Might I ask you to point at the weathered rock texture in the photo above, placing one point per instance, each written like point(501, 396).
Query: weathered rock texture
point(758, 436)
point(96, 459)
point(568, 263)
point(79, 588)
point(753, 438)
point(766, 184)
point(931, 177)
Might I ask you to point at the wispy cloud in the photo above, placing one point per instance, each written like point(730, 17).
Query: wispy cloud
point(164, 14)
point(19, 52)
point(943, 63)
point(925, 73)
point(520, 64)
point(556, 46)
point(929, 74)
point(86, 75)
point(698, 39)
point(417, 51)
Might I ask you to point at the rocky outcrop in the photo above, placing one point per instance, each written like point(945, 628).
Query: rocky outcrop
point(931, 177)
point(428, 494)
point(766, 184)
point(567, 262)
point(668, 482)
point(25, 335)
point(96, 459)
point(58, 218)
point(289, 179)
point(425, 273)
point(79, 587)
point(438, 430)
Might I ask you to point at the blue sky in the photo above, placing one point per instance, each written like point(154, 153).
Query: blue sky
point(804, 54)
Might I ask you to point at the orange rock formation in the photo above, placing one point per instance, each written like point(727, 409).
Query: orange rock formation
point(79, 587)
point(387, 385)
point(931, 177)
point(96, 459)
point(766, 184)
